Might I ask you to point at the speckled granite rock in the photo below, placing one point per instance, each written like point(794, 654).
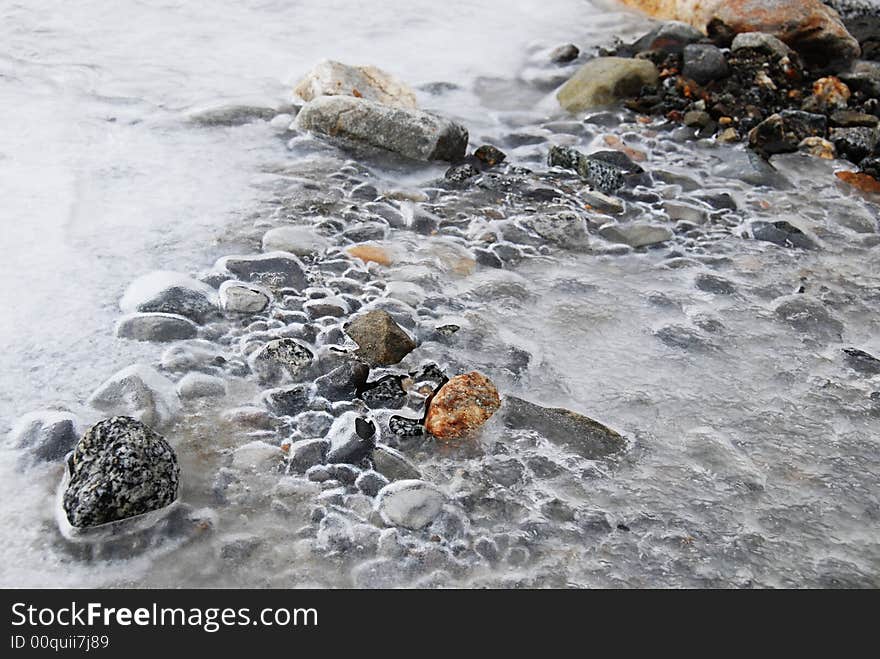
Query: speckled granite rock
point(120, 468)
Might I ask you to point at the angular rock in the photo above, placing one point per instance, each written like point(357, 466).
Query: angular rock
point(46, 435)
point(159, 327)
point(351, 437)
point(760, 42)
point(307, 453)
point(287, 401)
point(370, 482)
point(330, 78)
point(280, 357)
point(809, 316)
point(171, 293)
point(381, 341)
point(781, 233)
point(605, 80)
point(855, 143)
point(393, 464)
point(783, 132)
point(298, 240)
point(704, 63)
point(410, 133)
point(120, 468)
point(138, 391)
point(669, 37)
point(412, 504)
point(273, 269)
point(343, 382)
point(241, 297)
point(636, 234)
point(461, 406)
point(861, 361)
point(574, 432)
point(598, 172)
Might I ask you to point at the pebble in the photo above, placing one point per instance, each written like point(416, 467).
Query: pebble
point(241, 297)
point(138, 391)
point(412, 504)
point(159, 327)
point(298, 240)
point(461, 406)
point(381, 341)
point(200, 385)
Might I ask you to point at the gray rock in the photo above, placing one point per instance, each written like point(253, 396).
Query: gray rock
point(605, 80)
point(138, 391)
point(256, 456)
point(412, 504)
point(564, 53)
point(565, 229)
point(120, 468)
point(781, 233)
point(46, 435)
point(307, 453)
point(855, 143)
point(670, 37)
point(378, 573)
point(313, 423)
point(392, 464)
point(861, 361)
point(274, 269)
point(351, 437)
point(704, 63)
point(714, 284)
point(239, 547)
point(370, 482)
point(331, 78)
point(504, 470)
point(171, 293)
point(230, 115)
point(332, 307)
point(761, 42)
point(201, 385)
point(335, 534)
point(344, 473)
point(636, 234)
point(783, 132)
point(604, 176)
point(298, 240)
point(749, 167)
point(280, 357)
point(287, 401)
point(575, 432)
point(343, 382)
point(242, 297)
point(410, 133)
point(381, 341)
point(809, 316)
point(157, 327)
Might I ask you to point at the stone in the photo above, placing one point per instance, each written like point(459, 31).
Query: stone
point(598, 172)
point(605, 80)
point(170, 293)
point(570, 430)
point(861, 361)
point(241, 297)
point(412, 504)
point(343, 382)
point(393, 464)
point(307, 453)
point(370, 482)
point(385, 393)
point(158, 327)
point(120, 468)
point(504, 470)
point(332, 307)
point(273, 269)
point(138, 391)
point(381, 341)
point(238, 547)
point(714, 284)
point(314, 423)
point(854, 143)
point(331, 78)
point(564, 53)
point(852, 119)
point(818, 147)
point(287, 401)
point(636, 234)
point(809, 316)
point(861, 181)
point(201, 385)
point(565, 229)
point(231, 114)
point(279, 358)
point(829, 94)
point(783, 132)
point(256, 455)
point(669, 37)
point(781, 233)
point(704, 63)
point(370, 254)
point(410, 133)
point(461, 406)
point(352, 438)
point(297, 240)
point(760, 42)
point(46, 436)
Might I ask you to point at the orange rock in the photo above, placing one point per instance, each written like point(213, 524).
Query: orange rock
point(370, 253)
point(462, 405)
point(829, 93)
point(818, 147)
point(860, 180)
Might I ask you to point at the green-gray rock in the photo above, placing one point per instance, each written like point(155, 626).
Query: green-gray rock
point(635, 234)
point(605, 80)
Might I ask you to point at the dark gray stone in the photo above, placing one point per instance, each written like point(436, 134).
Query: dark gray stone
point(704, 63)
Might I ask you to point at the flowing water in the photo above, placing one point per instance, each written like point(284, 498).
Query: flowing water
point(752, 453)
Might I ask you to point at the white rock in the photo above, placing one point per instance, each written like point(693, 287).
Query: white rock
point(200, 385)
point(242, 297)
point(138, 391)
point(256, 455)
point(281, 122)
point(169, 292)
point(411, 504)
point(299, 240)
point(331, 78)
point(408, 292)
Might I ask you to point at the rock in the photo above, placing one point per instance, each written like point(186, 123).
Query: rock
point(273, 269)
point(169, 293)
point(669, 37)
point(370, 254)
point(565, 229)
point(461, 173)
point(298, 240)
point(714, 284)
point(332, 307)
point(257, 455)
point(237, 548)
point(385, 393)
point(343, 382)
point(138, 391)
point(781, 233)
point(504, 470)
point(412, 504)
point(381, 341)
point(697, 118)
point(461, 405)
point(287, 401)
point(314, 423)
point(762, 43)
point(636, 234)
point(307, 453)
point(808, 26)
point(351, 437)
point(861, 181)
point(574, 432)
point(240, 297)
point(120, 468)
point(829, 94)
point(370, 482)
point(159, 327)
point(749, 167)
point(783, 132)
point(201, 385)
point(46, 435)
point(598, 172)
point(605, 80)
point(564, 53)
point(393, 464)
point(852, 119)
point(854, 143)
point(280, 357)
point(230, 115)
point(861, 361)
point(817, 147)
point(410, 133)
point(489, 155)
point(330, 78)
point(704, 63)
point(810, 316)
